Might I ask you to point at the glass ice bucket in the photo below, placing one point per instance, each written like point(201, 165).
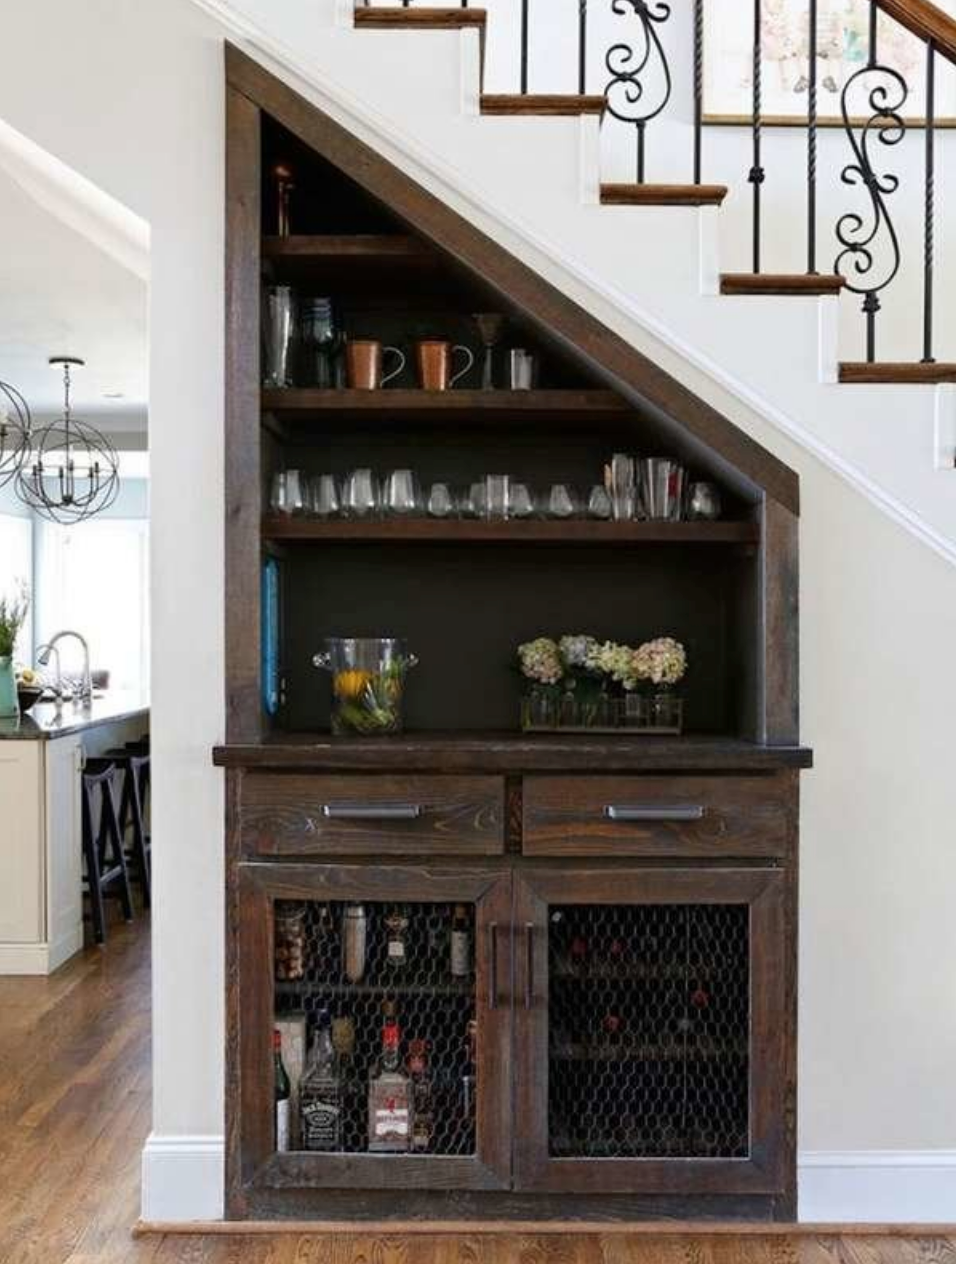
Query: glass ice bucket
point(368, 683)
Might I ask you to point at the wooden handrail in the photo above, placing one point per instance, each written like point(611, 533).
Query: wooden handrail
point(926, 21)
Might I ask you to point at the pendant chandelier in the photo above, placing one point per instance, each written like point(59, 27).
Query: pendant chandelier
point(15, 427)
point(71, 471)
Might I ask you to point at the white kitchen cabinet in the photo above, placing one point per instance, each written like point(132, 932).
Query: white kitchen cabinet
point(41, 909)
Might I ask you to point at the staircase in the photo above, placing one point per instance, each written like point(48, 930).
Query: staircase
point(550, 175)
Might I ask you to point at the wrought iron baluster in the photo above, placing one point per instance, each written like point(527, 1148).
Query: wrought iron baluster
point(524, 45)
point(861, 240)
point(582, 46)
point(813, 51)
point(698, 88)
point(929, 212)
point(626, 92)
point(757, 174)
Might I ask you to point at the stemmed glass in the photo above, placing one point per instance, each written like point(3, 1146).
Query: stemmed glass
point(319, 341)
point(490, 328)
point(360, 497)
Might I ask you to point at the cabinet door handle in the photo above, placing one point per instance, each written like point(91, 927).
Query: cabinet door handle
point(529, 966)
point(657, 812)
point(371, 811)
point(492, 965)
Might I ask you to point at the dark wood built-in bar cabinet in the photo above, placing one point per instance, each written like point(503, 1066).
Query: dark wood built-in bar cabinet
point(617, 1040)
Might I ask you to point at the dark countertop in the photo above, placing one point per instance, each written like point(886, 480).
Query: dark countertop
point(48, 720)
point(509, 752)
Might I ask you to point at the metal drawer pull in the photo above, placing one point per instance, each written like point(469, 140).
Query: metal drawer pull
point(372, 811)
point(492, 965)
point(687, 812)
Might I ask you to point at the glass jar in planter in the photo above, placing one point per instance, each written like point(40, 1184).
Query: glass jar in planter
point(368, 683)
point(654, 713)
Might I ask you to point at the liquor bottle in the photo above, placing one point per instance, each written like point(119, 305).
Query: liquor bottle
point(320, 1097)
point(423, 1110)
point(389, 1097)
point(396, 926)
point(284, 185)
point(354, 939)
point(460, 943)
point(283, 1095)
point(469, 1079)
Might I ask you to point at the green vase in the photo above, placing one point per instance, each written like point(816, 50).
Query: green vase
point(9, 707)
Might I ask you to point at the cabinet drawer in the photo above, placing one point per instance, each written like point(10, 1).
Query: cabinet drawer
point(656, 816)
point(308, 814)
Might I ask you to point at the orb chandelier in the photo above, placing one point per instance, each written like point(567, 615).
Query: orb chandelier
point(72, 470)
point(15, 427)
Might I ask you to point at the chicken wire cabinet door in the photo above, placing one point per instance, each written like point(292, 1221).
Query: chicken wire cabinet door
point(403, 975)
point(650, 1031)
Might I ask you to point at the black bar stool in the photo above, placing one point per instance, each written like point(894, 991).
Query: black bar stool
point(133, 765)
point(103, 853)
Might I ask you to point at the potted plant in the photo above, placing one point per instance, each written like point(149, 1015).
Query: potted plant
point(13, 612)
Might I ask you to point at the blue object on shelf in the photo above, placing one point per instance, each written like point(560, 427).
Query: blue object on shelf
point(270, 636)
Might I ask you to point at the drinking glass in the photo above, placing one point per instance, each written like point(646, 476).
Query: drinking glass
point(496, 496)
point(441, 503)
point(402, 496)
point(474, 501)
point(318, 342)
point(599, 503)
point(277, 493)
point(561, 501)
point(703, 502)
point(621, 487)
point(360, 498)
point(325, 496)
point(662, 488)
point(279, 331)
point(521, 501)
point(523, 367)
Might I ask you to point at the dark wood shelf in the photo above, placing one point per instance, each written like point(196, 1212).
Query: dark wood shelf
point(694, 1051)
point(535, 531)
point(392, 409)
point(296, 987)
point(357, 247)
point(462, 752)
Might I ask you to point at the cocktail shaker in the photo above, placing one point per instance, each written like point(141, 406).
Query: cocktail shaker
point(354, 941)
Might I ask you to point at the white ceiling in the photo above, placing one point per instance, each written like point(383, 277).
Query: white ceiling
point(62, 295)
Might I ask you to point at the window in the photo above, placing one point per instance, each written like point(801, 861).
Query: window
point(16, 568)
point(94, 579)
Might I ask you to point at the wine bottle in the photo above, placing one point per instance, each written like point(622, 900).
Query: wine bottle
point(283, 1095)
point(460, 943)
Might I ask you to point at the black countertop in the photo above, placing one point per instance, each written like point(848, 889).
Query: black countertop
point(48, 719)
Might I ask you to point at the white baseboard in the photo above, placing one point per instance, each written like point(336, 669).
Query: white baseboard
point(24, 959)
point(183, 1181)
point(883, 1186)
point(183, 1178)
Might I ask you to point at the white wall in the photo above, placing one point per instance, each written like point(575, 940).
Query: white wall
point(130, 94)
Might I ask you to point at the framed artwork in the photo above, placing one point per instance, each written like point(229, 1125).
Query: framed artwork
point(842, 50)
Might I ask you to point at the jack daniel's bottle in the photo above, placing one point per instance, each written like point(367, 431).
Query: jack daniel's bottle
point(320, 1095)
point(389, 1095)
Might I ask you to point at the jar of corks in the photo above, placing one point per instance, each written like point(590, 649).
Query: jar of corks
point(290, 942)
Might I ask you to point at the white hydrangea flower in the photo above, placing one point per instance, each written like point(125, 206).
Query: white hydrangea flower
point(577, 650)
point(662, 661)
point(540, 661)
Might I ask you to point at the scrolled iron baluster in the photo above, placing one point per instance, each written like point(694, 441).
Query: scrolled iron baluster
point(582, 46)
point(858, 236)
point(757, 175)
point(698, 88)
point(929, 204)
point(625, 92)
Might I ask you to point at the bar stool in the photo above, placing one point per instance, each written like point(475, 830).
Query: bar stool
point(133, 764)
point(103, 845)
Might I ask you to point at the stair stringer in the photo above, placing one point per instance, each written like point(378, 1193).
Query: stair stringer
point(525, 182)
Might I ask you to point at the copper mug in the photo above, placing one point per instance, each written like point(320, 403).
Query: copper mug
point(434, 356)
point(364, 359)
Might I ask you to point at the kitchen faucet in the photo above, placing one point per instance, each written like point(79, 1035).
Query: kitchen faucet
point(85, 693)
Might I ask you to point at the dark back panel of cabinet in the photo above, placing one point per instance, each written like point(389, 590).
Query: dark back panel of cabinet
point(464, 612)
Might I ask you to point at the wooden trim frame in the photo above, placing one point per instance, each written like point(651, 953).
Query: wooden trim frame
point(256, 1172)
point(766, 1170)
point(607, 355)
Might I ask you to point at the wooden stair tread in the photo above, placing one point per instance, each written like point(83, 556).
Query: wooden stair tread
point(541, 103)
point(431, 18)
point(663, 194)
point(779, 283)
point(911, 372)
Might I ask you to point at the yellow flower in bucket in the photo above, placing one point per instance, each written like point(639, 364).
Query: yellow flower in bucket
point(351, 684)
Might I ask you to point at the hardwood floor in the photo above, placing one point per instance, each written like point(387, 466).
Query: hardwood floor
point(75, 1110)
